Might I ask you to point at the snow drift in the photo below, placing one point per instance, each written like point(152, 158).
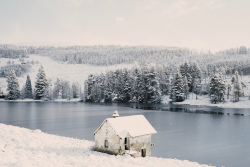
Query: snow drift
point(24, 147)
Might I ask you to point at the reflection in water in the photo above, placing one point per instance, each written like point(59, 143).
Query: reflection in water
point(211, 137)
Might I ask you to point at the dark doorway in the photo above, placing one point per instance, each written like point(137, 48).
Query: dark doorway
point(143, 152)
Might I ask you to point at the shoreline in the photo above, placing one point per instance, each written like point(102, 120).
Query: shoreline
point(227, 104)
point(25, 147)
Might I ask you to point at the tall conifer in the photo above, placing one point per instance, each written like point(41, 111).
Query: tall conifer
point(41, 83)
point(28, 88)
point(13, 87)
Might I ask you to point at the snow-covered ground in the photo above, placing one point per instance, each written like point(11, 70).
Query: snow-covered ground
point(23, 147)
point(205, 101)
point(54, 69)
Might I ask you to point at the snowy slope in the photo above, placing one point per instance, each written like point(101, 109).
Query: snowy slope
point(53, 70)
point(23, 147)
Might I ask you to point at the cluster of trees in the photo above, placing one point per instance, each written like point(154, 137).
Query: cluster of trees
point(147, 84)
point(186, 79)
point(140, 84)
point(43, 88)
point(218, 88)
point(143, 84)
point(13, 87)
point(19, 69)
point(13, 51)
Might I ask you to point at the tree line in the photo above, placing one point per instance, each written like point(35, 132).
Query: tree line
point(43, 90)
point(141, 84)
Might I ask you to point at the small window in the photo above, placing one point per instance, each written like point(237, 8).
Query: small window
point(106, 144)
point(126, 143)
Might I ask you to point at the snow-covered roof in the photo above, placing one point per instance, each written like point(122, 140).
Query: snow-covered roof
point(136, 125)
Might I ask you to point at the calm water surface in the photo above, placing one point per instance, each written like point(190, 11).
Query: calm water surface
point(201, 134)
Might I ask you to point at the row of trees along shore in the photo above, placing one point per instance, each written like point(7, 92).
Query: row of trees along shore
point(147, 84)
point(43, 88)
point(141, 84)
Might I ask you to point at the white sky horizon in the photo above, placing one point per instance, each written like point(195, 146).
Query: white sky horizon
point(195, 24)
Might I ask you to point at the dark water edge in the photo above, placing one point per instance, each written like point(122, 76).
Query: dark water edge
point(186, 108)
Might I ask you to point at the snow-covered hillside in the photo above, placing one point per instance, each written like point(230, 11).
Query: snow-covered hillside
point(53, 70)
point(24, 147)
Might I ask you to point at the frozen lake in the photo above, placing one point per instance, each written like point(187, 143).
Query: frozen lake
point(201, 134)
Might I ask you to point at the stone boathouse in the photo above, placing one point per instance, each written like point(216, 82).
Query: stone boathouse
point(129, 134)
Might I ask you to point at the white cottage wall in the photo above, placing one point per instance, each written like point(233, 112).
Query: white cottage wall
point(107, 133)
point(140, 142)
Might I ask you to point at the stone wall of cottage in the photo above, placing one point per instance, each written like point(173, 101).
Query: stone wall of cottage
point(140, 142)
point(107, 133)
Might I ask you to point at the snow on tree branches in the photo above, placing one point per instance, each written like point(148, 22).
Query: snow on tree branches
point(13, 87)
point(41, 84)
point(217, 88)
point(237, 91)
point(28, 89)
point(177, 92)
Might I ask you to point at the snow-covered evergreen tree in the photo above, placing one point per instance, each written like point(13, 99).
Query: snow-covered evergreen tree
point(237, 88)
point(75, 89)
point(41, 83)
point(195, 72)
point(136, 73)
point(126, 86)
point(186, 71)
point(197, 86)
point(13, 88)
point(153, 93)
point(217, 88)
point(28, 88)
point(177, 91)
point(90, 84)
point(185, 87)
point(107, 93)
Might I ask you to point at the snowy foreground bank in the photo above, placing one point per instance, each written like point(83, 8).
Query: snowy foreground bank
point(24, 147)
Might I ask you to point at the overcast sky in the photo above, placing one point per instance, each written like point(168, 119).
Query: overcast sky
point(200, 24)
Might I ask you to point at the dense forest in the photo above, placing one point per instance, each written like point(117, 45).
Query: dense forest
point(157, 71)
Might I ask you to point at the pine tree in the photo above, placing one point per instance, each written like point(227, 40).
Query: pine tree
point(186, 70)
point(197, 86)
point(141, 89)
point(75, 89)
point(120, 87)
point(217, 88)
point(108, 92)
point(164, 82)
point(13, 87)
point(41, 84)
point(195, 72)
point(152, 86)
point(136, 74)
point(90, 84)
point(126, 86)
point(185, 87)
point(177, 91)
point(28, 88)
point(237, 88)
